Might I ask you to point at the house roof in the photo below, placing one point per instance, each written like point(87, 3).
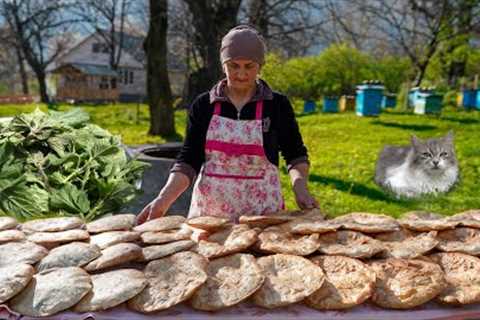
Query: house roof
point(90, 69)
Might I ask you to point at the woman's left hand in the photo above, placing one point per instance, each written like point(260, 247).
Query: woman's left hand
point(303, 197)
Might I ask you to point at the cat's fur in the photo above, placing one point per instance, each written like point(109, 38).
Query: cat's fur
point(424, 167)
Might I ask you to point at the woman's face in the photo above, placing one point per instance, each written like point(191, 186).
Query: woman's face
point(241, 73)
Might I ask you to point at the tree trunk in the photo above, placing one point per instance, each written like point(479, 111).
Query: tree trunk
point(158, 85)
point(23, 73)
point(42, 85)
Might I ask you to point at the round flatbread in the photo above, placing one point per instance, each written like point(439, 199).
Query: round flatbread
point(52, 291)
point(406, 283)
point(231, 280)
point(161, 224)
point(310, 227)
point(349, 243)
point(7, 223)
point(368, 222)
point(109, 238)
point(13, 279)
point(276, 240)
point(466, 240)
point(462, 274)
point(159, 251)
point(469, 218)
point(111, 289)
point(233, 239)
point(407, 244)
point(115, 255)
point(208, 223)
point(425, 221)
point(348, 283)
point(75, 254)
point(11, 235)
point(52, 224)
point(171, 281)
point(288, 279)
point(117, 222)
point(162, 237)
point(50, 239)
point(264, 221)
point(21, 252)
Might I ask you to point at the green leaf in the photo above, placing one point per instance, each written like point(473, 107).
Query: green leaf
point(70, 199)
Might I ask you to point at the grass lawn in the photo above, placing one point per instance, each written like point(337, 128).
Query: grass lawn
point(343, 149)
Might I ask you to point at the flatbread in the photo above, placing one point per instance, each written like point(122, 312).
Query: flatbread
point(406, 283)
point(115, 255)
point(161, 224)
point(349, 243)
point(21, 252)
point(159, 251)
point(166, 236)
point(7, 223)
point(11, 235)
point(117, 222)
point(466, 240)
point(280, 217)
point(425, 221)
point(208, 223)
point(288, 279)
point(407, 244)
point(52, 291)
point(348, 283)
point(231, 280)
point(13, 279)
point(109, 238)
point(233, 239)
point(469, 218)
point(310, 227)
point(462, 274)
point(368, 222)
point(111, 289)
point(75, 254)
point(276, 240)
point(171, 281)
point(52, 224)
point(54, 238)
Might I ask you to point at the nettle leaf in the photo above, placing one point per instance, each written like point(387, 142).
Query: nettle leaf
point(73, 118)
point(25, 202)
point(70, 199)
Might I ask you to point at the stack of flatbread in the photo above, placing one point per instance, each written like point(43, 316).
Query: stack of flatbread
point(51, 265)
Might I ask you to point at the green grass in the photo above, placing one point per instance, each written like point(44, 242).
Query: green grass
point(343, 149)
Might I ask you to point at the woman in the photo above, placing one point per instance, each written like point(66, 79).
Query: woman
point(234, 135)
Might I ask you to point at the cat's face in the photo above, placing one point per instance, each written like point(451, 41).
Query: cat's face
point(434, 155)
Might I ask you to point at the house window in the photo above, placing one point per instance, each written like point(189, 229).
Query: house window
point(131, 77)
point(125, 76)
point(103, 83)
point(95, 47)
point(113, 83)
point(100, 47)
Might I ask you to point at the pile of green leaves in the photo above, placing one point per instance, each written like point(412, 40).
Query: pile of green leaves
point(57, 164)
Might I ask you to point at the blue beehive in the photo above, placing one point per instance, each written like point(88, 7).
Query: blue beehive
point(369, 99)
point(389, 101)
point(309, 106)
point(330, 104)
point(427, 103)
point(412, 95)
point(471, 99)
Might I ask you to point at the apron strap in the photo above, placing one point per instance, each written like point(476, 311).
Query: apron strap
point(259, 110)
point(217, 108)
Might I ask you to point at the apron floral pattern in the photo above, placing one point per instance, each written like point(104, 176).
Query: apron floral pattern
point(236, 178)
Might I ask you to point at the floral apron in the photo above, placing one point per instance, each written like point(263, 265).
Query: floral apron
point(236, 178)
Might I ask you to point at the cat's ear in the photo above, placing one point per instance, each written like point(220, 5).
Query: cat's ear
point(449, 137)
point(416, 142)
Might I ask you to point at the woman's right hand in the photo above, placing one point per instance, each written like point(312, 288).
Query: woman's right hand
point(155, 209)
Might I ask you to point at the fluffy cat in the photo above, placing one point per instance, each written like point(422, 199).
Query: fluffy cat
point(424, 167)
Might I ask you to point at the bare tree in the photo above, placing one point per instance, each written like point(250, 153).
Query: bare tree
point(12, 51)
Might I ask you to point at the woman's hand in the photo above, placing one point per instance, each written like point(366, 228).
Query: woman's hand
point(155, 209)
point(303, 197)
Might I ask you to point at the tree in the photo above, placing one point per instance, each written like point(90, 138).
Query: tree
point(158, 84)
point(11, 50)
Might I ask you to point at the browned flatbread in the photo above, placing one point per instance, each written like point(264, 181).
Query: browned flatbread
point(277, 240)
point(349, 282)
point(227, 241)
point(159, 251)
point(288, 279)
point(21, 252)
point(425, 221)
point(406, 283)
point(7, 223)
point(111, 289)
point(117, 222)
point(280, 217)
point(51, 238)
point(162, 237)
point(349, 243)
point(462, 274)
point(109, 238)
point(407, 244)
point(161, 224)
point(469, 218)
point(115, 255)
point(13, 279)
point(52, 224)
point(208, 223)
point(231, 280)
point(368, 222)
point(466, 240)
point(75, 254)
point(11, 235)
point(52, 291)
point(171, 281)
point(309, 227)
